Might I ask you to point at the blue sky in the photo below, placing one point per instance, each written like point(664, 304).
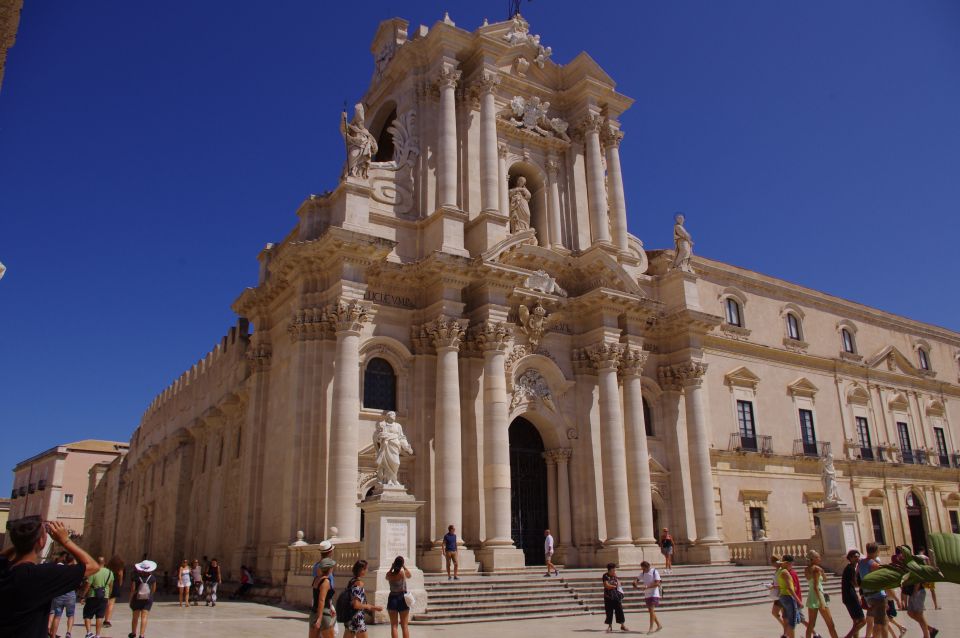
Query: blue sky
point(149, 150)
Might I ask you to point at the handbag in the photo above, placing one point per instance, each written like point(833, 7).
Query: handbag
point(410, 599)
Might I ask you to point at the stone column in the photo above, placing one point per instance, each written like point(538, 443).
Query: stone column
point(638, 456)
point(606, 358)
point(504, 182)
point(553, 202)
point(564, 523)
point(596, 191)
point(447, 138)
point(552, 495)
point(618, 204)
point(347, 320)
point(489, 165)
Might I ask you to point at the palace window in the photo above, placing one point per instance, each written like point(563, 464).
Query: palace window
point(942, 451)
point(863, 436)
point(647, 417)
point(793, 327)
point(876, 521)
point(848, 344)
point(923, 358)
point(756, 522)
point(808, 433)
point(379, 385)
point(68, 499)
point(906, 448)
point(734, 315)
point(747, 427)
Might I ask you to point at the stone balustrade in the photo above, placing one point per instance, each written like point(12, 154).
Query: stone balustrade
point(759, 552)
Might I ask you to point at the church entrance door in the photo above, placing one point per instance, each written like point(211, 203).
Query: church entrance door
point(918, 531)
point(528, 490)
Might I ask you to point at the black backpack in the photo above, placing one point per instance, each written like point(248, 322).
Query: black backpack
point(344, 604)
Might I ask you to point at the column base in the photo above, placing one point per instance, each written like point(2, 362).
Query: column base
point(651, 552)
point(620, 555)
point(501, 558)
point(708, 553)
point(432, 561)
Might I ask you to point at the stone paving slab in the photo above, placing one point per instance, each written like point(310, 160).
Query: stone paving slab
point(241, 620)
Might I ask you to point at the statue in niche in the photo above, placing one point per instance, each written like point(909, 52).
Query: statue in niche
point(361, 144)
point(683, 244)
point(389, 441)
point(520, 206)
point(831, 495)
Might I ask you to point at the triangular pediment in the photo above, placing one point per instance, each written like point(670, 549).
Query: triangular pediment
point(742, 377)
point(892, 360)
point(803, 387)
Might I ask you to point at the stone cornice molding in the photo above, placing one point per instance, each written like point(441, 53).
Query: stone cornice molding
point(633, 361)
point(686, 321)
point(605, 356)
point(530, 138)
point(492, 336)
point(346, 316)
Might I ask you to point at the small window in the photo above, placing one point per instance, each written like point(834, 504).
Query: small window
point(847, 337)
point(734, 316)
point(923, 358)
point(756, 523)
point(793, 327)
point(379, 385)
point(876, 520)
point(647, 417)
point(68, 499)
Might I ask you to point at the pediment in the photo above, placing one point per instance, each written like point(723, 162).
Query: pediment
point(936, 408)
point(898, 402)
point(803, 387)
point(858, 394)
point(656, 467)
point(892, 360)
point(742, 377)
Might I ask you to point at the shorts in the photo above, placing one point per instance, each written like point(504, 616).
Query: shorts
point(667, 551)
point(652, 602)
point(396, 602)
point(855, 610)
point(916, 600)
point(548, 556)
point(451, 556)
point(138, 604)
point(328, 620)
point(115, 589)
point(94, 608)
point(791, 611)
point(357, 623)
point(878, 610)
point(64, 602)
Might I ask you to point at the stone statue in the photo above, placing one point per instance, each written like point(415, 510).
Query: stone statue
point(533, 324)
point(361, 145)
point(831, 495)
point(683, 244)
point(389, 441)
point(541, 281)
point(520, 206)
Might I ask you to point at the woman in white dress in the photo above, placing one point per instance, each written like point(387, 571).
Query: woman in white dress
point(183, 583)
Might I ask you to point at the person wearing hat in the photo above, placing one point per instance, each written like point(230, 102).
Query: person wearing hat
point(789, 596)
point(143, 587)
point(326, 551)
point(323, 615)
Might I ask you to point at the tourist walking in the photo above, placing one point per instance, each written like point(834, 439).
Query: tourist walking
point(27, 587)
point(246, 582)
point(892, 605)
point(183, 582)
point(196, 581)
point(816, 599)
point(649, 581)
point(116, 566)
point(876, 601)
point(95, 593)
point(776, 609)
point(64, 603)
point(449, 547)
point(915, 597)
point(548, 553)
point(666, 548)
point(143, 589)
point(789, 596)
point(397, 606)
point(849, 595)
point(323, 616)
point(211, 582)
point(356, 627)
point(931, 587)
point(613, 598)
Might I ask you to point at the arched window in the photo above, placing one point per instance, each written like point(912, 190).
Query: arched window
point(924, 358)
point(848, 344)
point(793, 327)
point(734, 316)
point(647, 417)
point(379, 385)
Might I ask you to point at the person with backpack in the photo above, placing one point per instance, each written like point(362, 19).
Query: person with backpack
point(352, 602)
point(116, 566)
point(323, 616)
point(143, 588)
point(649, 579)
point(613, 598)
point(211, 582)
point(95, 593)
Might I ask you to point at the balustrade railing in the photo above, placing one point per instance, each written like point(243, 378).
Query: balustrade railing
point(943, 460)
point(759, 552)
point(304, 557)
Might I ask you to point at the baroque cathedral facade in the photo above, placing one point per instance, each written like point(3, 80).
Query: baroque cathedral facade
point(473, 272)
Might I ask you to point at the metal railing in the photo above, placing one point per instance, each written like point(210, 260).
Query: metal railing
point(913, 457)
point(874, 453)
point(762, 443)
point(956, 460)
point(811, 448)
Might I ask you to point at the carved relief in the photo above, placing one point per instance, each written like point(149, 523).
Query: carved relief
point(533, 323)
point(445, 332)
point(633, 361)
point(531, 114)
point(605, 355)
point(531, 385)
point(309, 323)
point(492, 336)
point(541, 281)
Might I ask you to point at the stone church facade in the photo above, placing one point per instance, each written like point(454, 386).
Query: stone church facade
point(474, 273)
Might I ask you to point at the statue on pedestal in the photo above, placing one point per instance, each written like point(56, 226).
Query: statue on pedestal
point(361, 145)
point(389, 441)
point(831, 495)
point(683, 245)
point(520, 206)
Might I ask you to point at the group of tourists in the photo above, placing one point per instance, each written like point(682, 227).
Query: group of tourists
point(876, 612)
point(201, 582)
point(648, 581)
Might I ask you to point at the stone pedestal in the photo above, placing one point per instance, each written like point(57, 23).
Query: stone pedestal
point(621, 555)
point(391, 530)
point(707, 553)
point(499, 558)
point(838, 527)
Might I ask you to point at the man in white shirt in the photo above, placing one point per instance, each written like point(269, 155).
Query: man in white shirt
point(649, 581)
point(548, 553)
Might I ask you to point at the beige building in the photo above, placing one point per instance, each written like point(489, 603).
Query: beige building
point(474, 273)
point(54, 483)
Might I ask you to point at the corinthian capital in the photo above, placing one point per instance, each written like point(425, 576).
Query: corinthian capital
point(486, 83)
point(491, 336)
point(611, 136)
point(558, 455)
point(346, 315)
point(605, 356)
point(447, 78)
point(678, 376)
point(592, 123)
point(445, 332)
point(633, 361)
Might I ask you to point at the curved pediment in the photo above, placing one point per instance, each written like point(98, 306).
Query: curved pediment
point(858, 394)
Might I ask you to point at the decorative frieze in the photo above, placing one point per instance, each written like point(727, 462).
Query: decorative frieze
point(309, 323)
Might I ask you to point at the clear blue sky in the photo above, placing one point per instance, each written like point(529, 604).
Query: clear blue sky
point(149, 150)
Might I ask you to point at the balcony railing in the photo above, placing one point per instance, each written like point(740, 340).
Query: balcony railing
point(943, 460)
point(956, 460)
point(913, 457)
point(33, 488)
point(873, 453)
point(811, 448)
point(758, 443)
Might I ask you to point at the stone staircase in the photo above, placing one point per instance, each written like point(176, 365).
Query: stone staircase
point(527, 594)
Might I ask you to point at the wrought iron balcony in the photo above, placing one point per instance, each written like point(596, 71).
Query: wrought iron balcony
point(42, 484)
point(956, 460)
point(943, 460)
point(759, 443)
point(873, 453)
point(913, 457)
point(33, 488)
point(813, 449)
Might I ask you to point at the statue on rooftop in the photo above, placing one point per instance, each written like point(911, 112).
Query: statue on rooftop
point(361, 145)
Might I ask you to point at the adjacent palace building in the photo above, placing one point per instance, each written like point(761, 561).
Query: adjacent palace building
point(473, 272)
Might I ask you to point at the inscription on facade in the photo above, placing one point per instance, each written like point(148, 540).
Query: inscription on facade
point(396, 533)
point(387, 299)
